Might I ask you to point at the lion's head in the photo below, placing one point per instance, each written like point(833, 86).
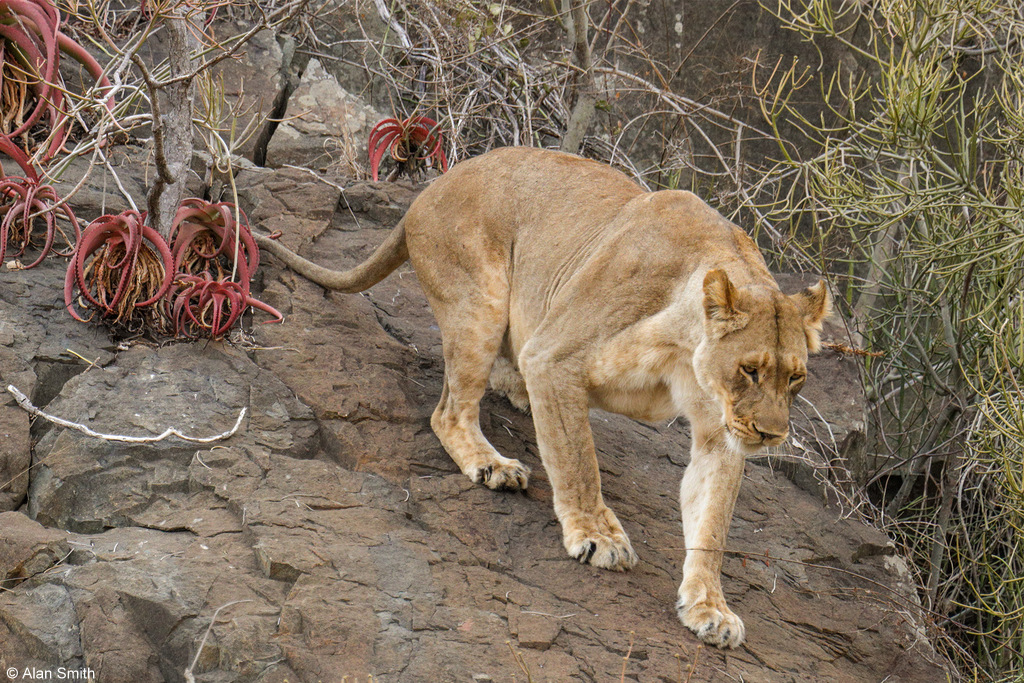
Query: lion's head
point(754, 356)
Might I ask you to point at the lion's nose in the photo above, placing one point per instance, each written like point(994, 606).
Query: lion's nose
point(769, 435)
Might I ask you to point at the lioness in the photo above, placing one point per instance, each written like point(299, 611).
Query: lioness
point(572, 287)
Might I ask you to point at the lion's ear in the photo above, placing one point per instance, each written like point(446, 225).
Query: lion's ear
point(815, 303)
point(721, 315)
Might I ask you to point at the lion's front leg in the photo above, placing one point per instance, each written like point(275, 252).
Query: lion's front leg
point(591, 532)
point(707, 495)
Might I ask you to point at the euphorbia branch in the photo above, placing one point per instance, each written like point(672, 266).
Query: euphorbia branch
point(95, 69)
point(163, 172)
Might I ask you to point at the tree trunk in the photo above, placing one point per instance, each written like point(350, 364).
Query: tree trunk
point(585, 87)
point(172, 128)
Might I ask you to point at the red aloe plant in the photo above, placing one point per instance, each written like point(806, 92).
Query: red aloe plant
point(413, 143)
point(203, 305)
point(8, 147)
point(30, 32)
point(23, 197)
point(205, 239)
point(120, 260)
point(203, 232)
point(124, 273)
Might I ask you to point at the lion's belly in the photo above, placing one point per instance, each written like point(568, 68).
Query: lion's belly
point(651, 403)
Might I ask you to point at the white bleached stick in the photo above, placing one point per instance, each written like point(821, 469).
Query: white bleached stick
point(23, 401)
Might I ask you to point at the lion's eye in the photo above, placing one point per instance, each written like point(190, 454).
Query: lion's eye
point(750, 371)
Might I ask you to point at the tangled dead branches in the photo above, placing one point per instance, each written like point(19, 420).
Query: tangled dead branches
point(496, 74)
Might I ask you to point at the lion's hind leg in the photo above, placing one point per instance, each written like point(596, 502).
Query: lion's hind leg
point(471, 335)
point(508, 382)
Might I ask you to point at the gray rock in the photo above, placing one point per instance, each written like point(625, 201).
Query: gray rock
point(324, 125)
point(15, 455)
point(38, 343)
point(85, 484)
point(27, 548)
point(339, 539)
point(97, 189)
point(42, 619)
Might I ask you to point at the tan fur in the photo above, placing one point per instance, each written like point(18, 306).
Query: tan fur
point(601, 295)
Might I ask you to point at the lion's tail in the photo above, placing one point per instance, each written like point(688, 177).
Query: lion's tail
point(392, 253)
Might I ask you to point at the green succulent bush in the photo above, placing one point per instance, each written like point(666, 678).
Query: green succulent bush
point(916, 197)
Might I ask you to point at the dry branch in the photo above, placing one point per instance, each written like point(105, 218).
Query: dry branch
point(26, 404)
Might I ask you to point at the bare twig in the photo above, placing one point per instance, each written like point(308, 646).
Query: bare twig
point(26, 404)
point(188, 674)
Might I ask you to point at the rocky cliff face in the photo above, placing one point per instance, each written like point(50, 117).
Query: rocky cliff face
point(332, 539)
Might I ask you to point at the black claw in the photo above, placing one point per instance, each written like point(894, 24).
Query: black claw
point(485, 474)
point(592, 548)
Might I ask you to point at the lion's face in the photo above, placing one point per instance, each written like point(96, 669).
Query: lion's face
point(754, 357)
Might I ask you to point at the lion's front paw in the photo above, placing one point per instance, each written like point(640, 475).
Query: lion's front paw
point(598, 539)
point(709, 618)
point(503, 474)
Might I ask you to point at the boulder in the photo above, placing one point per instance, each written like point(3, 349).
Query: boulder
point(332, 537)
point(27, 548)
point(323, 126)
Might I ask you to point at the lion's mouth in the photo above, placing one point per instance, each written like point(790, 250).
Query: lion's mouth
point(750, 436)
point(745, 429)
